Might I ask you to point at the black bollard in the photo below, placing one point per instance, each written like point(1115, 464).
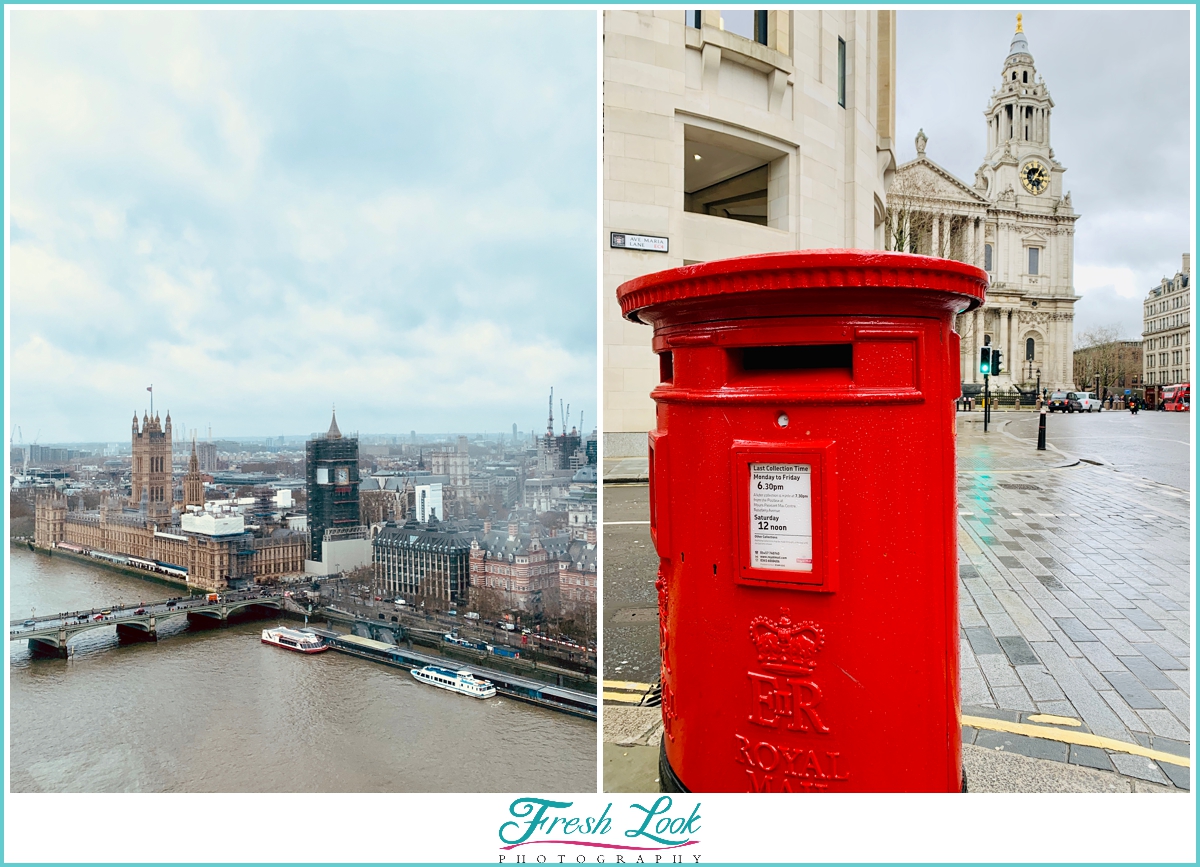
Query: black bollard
point(1042, 431)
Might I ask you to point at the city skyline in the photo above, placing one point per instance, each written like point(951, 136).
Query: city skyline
point(266, 213)
point(1121, 84)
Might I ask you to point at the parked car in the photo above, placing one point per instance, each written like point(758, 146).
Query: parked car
point(1059, 402)
point(1083, 401)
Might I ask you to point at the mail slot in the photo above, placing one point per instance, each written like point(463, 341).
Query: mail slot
point(802, 505)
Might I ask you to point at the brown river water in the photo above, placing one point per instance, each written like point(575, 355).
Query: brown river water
point(215, 710)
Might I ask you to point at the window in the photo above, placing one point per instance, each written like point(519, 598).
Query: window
point(727, 176)
point(1025, 78)
point(1033, 260)
point(739, 21)
point(760, 26)
point(841, 72)
point(1029, 349)
point(691, 18)
point(987, 257)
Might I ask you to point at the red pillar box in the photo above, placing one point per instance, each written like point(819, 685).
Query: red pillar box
point(802, 503)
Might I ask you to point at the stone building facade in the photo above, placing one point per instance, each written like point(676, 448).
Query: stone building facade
point(725, 143)
point(151, 468)
point(518, 566)
point(1015, 221)
point(429, 562)
point(1167, 330)
point(214, 552)
point(213, 561)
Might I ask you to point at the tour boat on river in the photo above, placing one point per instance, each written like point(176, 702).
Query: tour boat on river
point(456, 681)
point(293, 639)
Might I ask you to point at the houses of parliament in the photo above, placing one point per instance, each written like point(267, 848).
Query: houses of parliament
point(215, 546)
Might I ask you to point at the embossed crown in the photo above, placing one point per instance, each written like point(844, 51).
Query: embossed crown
point(786, 646)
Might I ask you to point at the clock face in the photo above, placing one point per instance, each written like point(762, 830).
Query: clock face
point(1035, 178)
point(342, 476)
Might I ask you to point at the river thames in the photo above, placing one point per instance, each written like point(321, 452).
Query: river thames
point(215, 710)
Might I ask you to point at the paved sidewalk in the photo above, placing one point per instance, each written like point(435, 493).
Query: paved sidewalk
point(1074, 602)
point(1075, 614)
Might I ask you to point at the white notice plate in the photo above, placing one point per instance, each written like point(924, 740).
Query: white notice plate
point(781, 517)
point(650, 243)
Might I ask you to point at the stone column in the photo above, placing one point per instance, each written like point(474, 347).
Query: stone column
point(971, 257)
point(937, 221)
point(1002, 338)
point(1018, 346)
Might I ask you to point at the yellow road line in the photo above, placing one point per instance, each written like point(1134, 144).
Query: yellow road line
point(1068, 737)
point(1051, 719)
point(627, 684)
point(621, 698)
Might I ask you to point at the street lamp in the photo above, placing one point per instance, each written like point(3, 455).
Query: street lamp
point(1039, 383)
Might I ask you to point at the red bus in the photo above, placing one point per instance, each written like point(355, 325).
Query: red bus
point(1176, 398)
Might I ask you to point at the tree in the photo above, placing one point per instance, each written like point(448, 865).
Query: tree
point(488, 602)
point(1100, 351)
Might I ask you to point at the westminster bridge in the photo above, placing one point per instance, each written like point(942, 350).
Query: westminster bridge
point(50, 635)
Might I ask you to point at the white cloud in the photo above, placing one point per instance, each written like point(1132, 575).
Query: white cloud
point(264, 212)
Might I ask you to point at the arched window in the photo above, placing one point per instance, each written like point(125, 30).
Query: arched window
point(987, 257)
point(1029, 348)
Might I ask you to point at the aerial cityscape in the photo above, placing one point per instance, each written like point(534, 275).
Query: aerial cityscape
point(302, 459)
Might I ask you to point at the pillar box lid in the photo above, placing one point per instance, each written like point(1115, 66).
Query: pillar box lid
point(800, 281)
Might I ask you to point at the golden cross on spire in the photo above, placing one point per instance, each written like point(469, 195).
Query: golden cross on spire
point(1020, 29)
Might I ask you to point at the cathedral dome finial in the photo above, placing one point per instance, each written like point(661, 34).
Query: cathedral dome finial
point(1020, 29)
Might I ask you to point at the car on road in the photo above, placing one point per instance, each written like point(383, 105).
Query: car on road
point(106, 612)
point(1059, 401)
point(140, 611)
point(81, 617)
point(98, 617)
point(1083, 401)
point(29, 623)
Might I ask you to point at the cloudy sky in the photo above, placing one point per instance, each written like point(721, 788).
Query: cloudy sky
point(1120, 81)
point(266, 213)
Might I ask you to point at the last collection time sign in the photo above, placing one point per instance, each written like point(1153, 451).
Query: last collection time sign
point(781, 517)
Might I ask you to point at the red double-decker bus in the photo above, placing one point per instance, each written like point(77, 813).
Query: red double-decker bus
point(1176, 398)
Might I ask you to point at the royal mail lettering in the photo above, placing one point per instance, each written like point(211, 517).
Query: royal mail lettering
point(774, 768)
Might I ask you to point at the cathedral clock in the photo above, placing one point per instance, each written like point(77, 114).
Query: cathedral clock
point(1035, 178)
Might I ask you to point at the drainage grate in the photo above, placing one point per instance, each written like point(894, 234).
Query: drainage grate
point(1016, 487)
point(653, 698)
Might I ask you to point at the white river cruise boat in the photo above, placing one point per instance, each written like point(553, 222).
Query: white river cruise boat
point(456, 681)
point(293, 639)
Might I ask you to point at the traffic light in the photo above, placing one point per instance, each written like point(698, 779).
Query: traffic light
point(985, 360)
point(997, 359)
